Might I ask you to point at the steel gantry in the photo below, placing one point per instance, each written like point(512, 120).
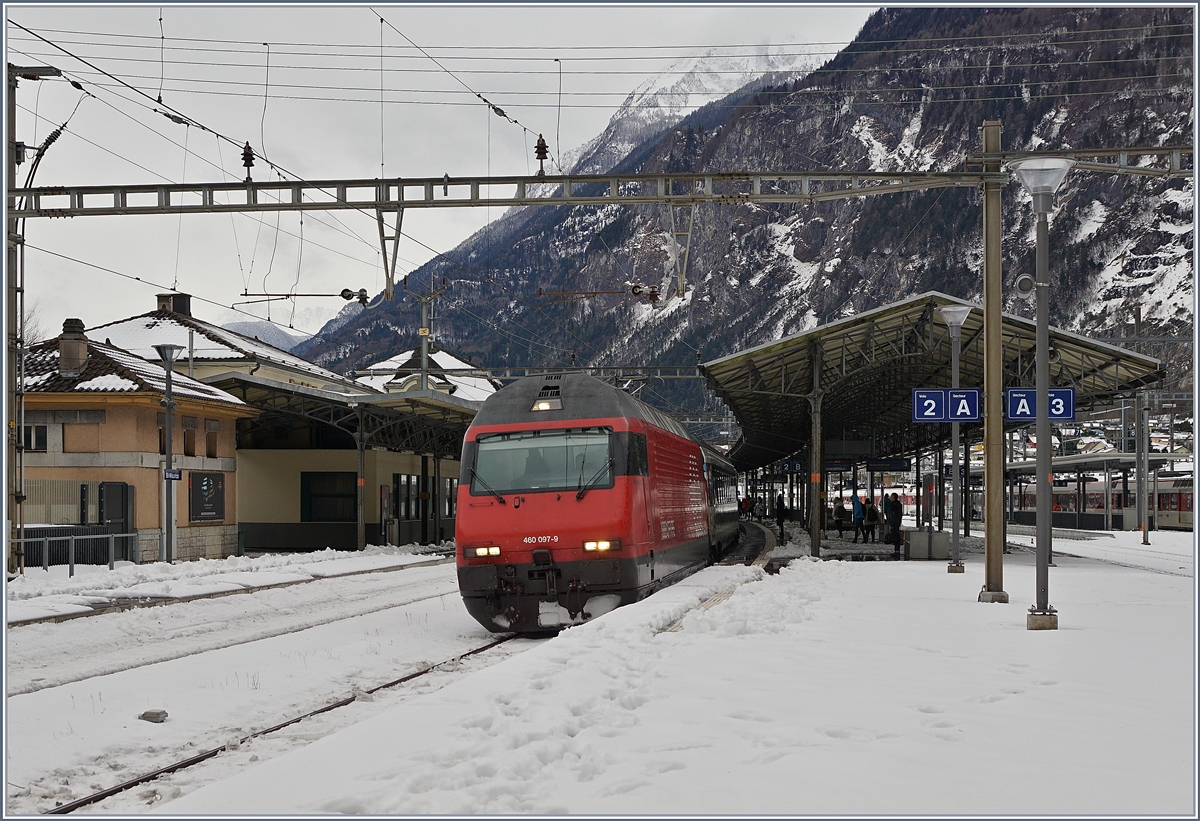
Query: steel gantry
point(387, 199)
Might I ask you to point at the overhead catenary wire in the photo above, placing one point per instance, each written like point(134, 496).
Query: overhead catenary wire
point(143, 280)
point(175, 116)
point(766, 91)
point(166, 179)
point(796, 101)
point(780, 72)
point(1012, 39)
point(225, 174)
point(494, 108)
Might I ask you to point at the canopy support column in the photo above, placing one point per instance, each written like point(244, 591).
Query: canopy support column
point(816, 504)
point(993, 379)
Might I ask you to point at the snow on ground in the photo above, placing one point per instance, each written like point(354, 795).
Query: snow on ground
point(830, 688)
point(39, 593)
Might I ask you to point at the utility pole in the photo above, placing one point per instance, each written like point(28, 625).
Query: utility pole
point(15, 336)
point(426, 330)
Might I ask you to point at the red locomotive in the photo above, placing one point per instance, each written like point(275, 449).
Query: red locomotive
point(576, 498)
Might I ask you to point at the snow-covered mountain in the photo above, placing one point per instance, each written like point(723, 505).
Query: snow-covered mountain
point(268, 332)
point(910, 93)
point(684, 87)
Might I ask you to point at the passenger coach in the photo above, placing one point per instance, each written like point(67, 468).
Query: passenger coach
point(576, 498)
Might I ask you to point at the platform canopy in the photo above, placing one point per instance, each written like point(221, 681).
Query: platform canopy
point(867, 366)
point(427, 422)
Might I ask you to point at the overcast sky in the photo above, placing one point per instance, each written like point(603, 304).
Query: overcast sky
point(302, 85)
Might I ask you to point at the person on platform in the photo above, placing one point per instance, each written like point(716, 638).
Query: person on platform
point(870, 521)
point(895, 513)
point(780, 515)
point(760, 509)
point(839, 516)
point(858, 517)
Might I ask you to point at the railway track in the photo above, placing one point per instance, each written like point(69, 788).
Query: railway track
point(191, 761)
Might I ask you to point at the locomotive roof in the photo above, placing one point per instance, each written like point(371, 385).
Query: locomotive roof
point(583, 397)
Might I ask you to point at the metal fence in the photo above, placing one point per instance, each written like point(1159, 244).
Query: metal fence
point(61, 501)
point(80, 548)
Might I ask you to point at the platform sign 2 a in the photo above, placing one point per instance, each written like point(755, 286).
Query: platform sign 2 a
point(940, 405)
point(929, 405)
point(1021, 405)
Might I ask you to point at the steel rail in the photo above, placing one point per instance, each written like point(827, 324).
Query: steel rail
point(207, 754)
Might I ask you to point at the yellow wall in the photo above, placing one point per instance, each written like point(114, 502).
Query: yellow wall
point(269, 480)
point(147, 501)
point(131, 426)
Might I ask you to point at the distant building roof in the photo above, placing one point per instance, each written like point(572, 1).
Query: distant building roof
point(211, 344)
point(109, 369)
point(408, 363)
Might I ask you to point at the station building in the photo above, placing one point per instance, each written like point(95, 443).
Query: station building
point(292, 441)
point(94, 438)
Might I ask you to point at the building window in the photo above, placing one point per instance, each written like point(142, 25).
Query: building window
point(190, 424)
point(406, 498)
point(212, 427)
point(329, 497)
point(35, 438)
point(449, 496)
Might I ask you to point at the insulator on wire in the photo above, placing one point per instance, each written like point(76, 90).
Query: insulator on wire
point(541, 152)
point(248, 160)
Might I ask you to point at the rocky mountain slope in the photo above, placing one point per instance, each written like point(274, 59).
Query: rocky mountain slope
point(910, 94)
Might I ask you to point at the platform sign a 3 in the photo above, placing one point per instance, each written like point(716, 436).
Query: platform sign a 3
point(929, 405)
point(1021, 404)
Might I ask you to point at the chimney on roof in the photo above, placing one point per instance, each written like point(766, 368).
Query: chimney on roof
point(72, 348)
point(179, 303)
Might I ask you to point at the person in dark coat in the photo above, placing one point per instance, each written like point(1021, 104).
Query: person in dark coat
point(780, 515)
point(839, 516)
point(895, 512)
point(870, 521)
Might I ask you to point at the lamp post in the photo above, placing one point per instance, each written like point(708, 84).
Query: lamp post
point(954, 317)
point(167, 354)
point(1041, 177)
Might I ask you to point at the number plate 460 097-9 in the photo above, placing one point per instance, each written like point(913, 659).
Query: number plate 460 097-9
point(540, 540)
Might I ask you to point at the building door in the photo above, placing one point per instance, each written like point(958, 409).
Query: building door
point(116, 514)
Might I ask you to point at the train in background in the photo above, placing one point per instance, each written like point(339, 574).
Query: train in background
point(1171, 504)
point(575, 498)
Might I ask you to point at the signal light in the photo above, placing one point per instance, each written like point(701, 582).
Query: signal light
point(482, 552)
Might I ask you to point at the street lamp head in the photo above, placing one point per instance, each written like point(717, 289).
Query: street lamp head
point(1041, 177)
point(955, 315)
point(167, 353)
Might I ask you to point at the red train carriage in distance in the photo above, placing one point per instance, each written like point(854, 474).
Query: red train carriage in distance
point(576, 498)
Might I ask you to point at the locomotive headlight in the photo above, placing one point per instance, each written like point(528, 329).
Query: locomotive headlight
point(482, 552)
point(602, 545)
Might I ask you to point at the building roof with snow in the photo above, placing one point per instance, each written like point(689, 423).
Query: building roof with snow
point(108, 369)
point(401, 373)
point(212, 346)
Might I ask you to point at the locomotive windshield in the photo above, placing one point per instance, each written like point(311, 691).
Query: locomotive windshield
point(542, 460)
